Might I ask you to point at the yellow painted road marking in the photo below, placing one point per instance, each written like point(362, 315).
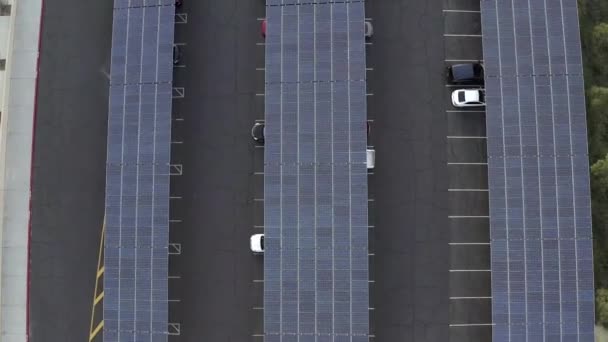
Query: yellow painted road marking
point(97, 298)
point(100, 297)
point(96, 331)
point(100, 271)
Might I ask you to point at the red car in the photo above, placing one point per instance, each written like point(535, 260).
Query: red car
point(264, 28)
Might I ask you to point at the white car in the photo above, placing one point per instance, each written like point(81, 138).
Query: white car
point(369, 29)
point(257, 243)
point(468, 97)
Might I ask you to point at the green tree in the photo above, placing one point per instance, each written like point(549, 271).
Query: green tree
point(601, 307)
point(597, 119)
point(599, 200)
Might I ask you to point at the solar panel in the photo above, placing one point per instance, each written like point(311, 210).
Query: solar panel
point(137, 180)
point(315, 176)
point(540, 218)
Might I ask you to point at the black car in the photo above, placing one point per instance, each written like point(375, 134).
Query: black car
point(469, 73)
point(257, 132)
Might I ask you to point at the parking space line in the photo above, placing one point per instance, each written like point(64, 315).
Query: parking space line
point(465, 111)
point(175, 221)
point(258, 227)
point(464, 60)
point(460, 11)
point(260, 19)
point(454, 271)
point(259, 94)
point(174, 277)
point(466, 86)
point(455, 298)
point(260, 69)
point(258, 173)
point(258, 280)
point(466, 137)
point(466, 217)
point(468, 243)
point(258, 308)
point(461, 35)
point(260, 44)
point(463, 163)
point(471, 325)
point(467, 190)
point(180, 44)
point(257, 335)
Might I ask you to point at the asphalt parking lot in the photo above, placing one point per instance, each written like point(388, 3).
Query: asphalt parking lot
point(216, 283)
point(409, 215)
point(469, 245)
point(68, 186)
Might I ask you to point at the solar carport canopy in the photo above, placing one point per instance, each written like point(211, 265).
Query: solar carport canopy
point(540, 217)
point(137, 180)
point(315, 176)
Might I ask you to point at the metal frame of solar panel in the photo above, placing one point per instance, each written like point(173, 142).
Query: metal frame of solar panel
point(315, 176)
point(137, 181)
point(540, 217)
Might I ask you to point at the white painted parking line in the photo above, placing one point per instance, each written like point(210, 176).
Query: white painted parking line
point(260, 44)
point(470, 271)
point(258, 173)
point(181, 18)
point(466, 217)
point(260, 69)
point(468, 243)
point(175, 197)
point(464, 60)
point(177, 142)
point(174, 300)
point(456, 298)
point(260, 19)
point(472, 325)
point(258, 308)
point(463, 163)
point(258, 227)
point(174, 277)
point(461, 35)
point(259, 146)
point(259, 94)
point(259, 120)
point(460, 11)
point(180, 44)
point(179, 65)
point(466, 137)
point(258, 280)
point(257, 335)
point(175, 221)
point(467, 190)
point(258, 200)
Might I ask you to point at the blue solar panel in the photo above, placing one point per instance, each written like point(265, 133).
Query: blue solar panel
point(315, 204)
point(541, 259)
point(137, 181)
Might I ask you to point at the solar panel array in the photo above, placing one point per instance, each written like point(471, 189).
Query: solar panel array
point(137, 180)
point(315, 190)
point(540, 212)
